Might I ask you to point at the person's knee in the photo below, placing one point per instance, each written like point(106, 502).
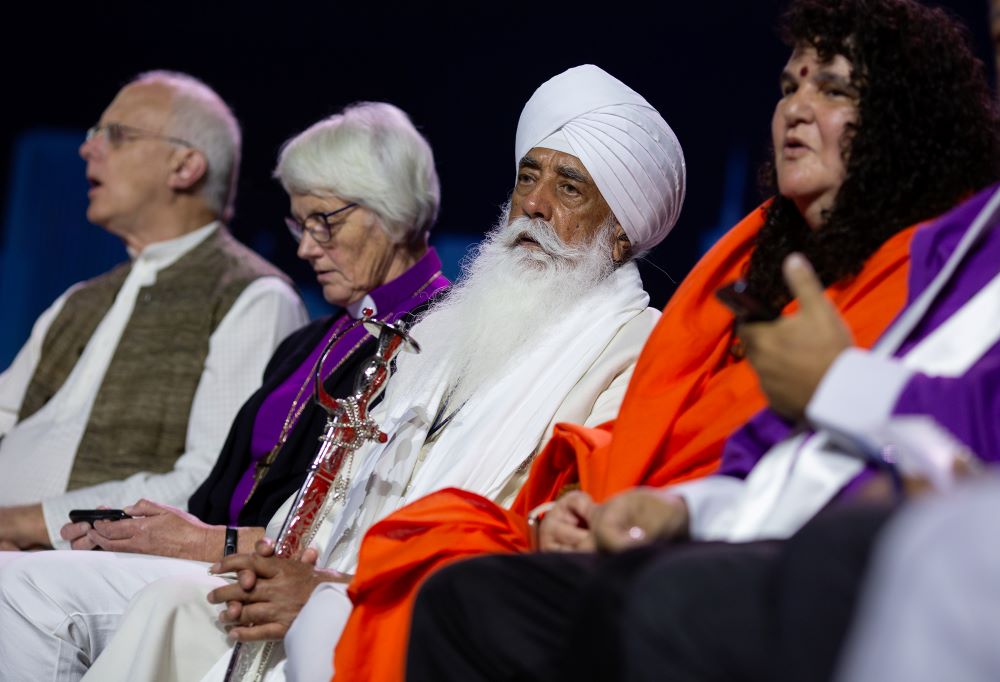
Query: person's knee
point(456, 586)
point(22, 595)
point(14, 581)
point(662, 599)
point(176, 594)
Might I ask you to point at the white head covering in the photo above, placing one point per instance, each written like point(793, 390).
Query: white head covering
point(622, 141)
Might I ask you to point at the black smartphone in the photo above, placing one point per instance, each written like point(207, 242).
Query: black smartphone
point(745, 307)
point(91, 515)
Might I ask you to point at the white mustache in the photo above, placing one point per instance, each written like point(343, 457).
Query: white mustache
point(543, 234)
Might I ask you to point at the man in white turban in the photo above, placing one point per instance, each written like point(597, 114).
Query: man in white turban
point(622, 142)
point(545, 328)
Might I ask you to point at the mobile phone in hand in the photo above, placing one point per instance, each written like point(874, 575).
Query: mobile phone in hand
point(745, 307)
point(91, 515)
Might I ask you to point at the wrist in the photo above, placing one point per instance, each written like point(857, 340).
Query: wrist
point(249, 536)
point(535, 518)
point(27, 524)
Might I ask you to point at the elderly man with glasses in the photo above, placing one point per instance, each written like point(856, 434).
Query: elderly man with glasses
point(128, 382)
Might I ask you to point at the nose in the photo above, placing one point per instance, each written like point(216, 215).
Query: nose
point(92, 147)
point(537, 202)
point(797, 108)
point(308, 248)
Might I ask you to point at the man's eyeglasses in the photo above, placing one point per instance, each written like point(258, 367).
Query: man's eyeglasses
point(118, 133)
point(317, 225)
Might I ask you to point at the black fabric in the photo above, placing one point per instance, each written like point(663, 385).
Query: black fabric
point(821, 573)
point(756, 612)
point(210, 502)
point(700, 612)
point(495, 617)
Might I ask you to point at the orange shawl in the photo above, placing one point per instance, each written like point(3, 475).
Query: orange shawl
point(686, 397)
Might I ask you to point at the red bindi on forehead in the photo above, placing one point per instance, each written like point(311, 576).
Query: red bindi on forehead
point(803, 72)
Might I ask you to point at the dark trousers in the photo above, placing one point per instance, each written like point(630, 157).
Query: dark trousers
point(768, 611)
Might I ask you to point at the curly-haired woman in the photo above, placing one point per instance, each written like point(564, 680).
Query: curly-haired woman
point(884, 122)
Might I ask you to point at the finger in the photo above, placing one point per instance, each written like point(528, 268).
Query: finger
point(581, 505)
point(619, 539)
point(233, 564)
point(231, 614)
point(74, 531)
point(569, 535)
point(310, 556)
point(119, 530)
point(268, 567)
point(112, 545)
point(8, 546)
point(260, 613)
point(145, 508)
point(82, 543)
point(258, 633)
point(227, 593)
point(264, 547)
point(804, 284)
point(247, 579)
point(614, 525)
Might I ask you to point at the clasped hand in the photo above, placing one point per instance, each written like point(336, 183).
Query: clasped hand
point(632, 518)
point(269, 591)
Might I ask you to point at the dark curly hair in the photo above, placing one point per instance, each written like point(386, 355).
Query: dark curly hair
point(926, 134)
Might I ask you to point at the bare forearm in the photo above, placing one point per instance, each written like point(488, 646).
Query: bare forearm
point(24, 526)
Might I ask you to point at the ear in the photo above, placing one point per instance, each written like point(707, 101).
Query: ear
point(621, 249)
point(189, 167)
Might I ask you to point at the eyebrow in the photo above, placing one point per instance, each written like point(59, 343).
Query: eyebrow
point(827, 77)
point(565, 171)
point(530, 162)
point(572, 174)
point(824, 77)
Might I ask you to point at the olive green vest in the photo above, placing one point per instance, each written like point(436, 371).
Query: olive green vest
point(140, 415)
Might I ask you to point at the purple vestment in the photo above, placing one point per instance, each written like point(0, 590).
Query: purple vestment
point(968, 405)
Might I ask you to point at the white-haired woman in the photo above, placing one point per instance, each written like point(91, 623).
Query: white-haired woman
point(364, 195)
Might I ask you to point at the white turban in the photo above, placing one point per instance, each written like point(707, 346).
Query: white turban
point(622, 141)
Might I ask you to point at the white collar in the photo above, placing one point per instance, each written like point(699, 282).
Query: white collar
point(163, 254)
point(354, 309)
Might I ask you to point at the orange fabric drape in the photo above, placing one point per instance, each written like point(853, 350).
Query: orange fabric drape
point(686, 397)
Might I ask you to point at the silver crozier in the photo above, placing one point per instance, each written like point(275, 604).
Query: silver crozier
point(348, 427)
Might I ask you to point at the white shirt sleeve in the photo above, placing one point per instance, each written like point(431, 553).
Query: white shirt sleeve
point(239, 349)
point(858, 393)
point(707, 499)
point(15, 379)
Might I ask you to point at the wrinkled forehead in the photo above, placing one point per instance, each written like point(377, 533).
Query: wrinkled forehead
point(561, 162)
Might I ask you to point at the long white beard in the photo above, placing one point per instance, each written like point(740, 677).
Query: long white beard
point(508, 296)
